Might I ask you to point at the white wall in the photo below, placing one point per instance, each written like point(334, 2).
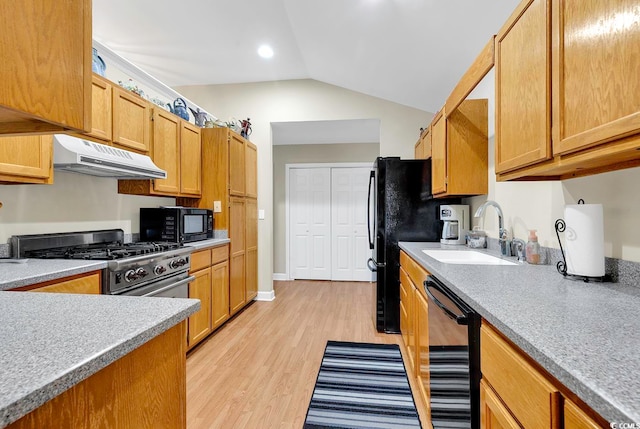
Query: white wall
point(73, 203)
point(301, 100)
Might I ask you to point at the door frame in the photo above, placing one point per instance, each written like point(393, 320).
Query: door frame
point(288, 168)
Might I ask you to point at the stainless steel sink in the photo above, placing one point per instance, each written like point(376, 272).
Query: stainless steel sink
point(465, 257)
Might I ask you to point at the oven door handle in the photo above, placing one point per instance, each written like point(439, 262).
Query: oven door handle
point(171, 286)
point(461, 319)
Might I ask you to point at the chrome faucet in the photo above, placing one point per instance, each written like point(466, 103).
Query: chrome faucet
point(505, 245)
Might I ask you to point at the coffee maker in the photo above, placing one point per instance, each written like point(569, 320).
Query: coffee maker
point(456, 223)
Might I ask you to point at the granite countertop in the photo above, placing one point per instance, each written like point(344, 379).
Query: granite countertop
point(214, 242)
point(51, 342)
point(587, 335)
point(33, 271)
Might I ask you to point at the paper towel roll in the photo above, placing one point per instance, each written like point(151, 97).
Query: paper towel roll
point(584, 238)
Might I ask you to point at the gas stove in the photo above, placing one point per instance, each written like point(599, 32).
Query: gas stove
point(142, 268)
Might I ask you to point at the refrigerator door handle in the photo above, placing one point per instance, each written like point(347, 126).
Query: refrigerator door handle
point(373, 265)
point(372, 176)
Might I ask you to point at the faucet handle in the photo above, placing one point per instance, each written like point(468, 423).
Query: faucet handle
point(519, 249)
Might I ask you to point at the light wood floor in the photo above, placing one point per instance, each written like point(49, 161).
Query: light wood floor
point(259, 370)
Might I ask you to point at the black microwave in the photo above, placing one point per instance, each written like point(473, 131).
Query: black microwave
point(175, 224)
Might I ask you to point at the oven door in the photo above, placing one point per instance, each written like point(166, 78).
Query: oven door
point(454, 358)
point(172, 287)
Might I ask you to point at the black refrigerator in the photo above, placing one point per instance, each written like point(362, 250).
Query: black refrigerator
point(401, 208)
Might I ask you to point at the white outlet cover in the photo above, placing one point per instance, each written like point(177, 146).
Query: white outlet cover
point(261, 214)
point(217, 206)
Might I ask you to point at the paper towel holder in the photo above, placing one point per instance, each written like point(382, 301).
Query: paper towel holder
point(561, 266)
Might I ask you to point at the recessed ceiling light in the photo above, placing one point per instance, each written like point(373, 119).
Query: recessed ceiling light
point(265, 51)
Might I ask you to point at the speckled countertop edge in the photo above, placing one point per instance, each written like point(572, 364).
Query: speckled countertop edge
point(214, 242)
point(615, 395)
point(34, 271)
point(51, 388)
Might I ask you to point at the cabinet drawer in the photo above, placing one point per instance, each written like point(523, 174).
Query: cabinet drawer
point(405, 285)
point(200, 260)
point(532, 399)
point(575, 418)
point(219, 254)
point(416, 273)
point(83, 285)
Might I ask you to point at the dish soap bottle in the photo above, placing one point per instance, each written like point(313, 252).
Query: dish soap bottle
point(533, 248)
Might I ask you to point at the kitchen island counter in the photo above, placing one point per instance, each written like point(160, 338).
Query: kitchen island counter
point(587, 335)
point(51, 342)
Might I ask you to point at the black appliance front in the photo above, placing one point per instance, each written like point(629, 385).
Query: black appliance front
point(453, 360)
point(403, 210)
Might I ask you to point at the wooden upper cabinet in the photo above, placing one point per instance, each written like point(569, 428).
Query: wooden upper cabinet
point(26, 159)
point(237, 157)
point(101, 112)
point(523, 87)
point(596, 59)
point(422, 148)
point(166, 148)
point(190, 159)
point(46, 66)
point(251, 170)
point(131, 116)
point(460, 150)
point(439, 154)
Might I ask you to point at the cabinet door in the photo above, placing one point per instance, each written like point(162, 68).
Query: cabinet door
point(237, 156)
point(237, 254)
point(422, 348)
point(26, 159)
point(165, 154)
point(493, 413)
point(83, 285)
point(190, 160)
point(46, 66)
point(219, 294)
point(200, 322)
point(595, 53)
point(101, 124)
point(407, 315)
point(523, 87)
point(439, 154)
point(251, 173)
point(417, 150)
point(575, 418)
point(130, 121)
point(251, 249)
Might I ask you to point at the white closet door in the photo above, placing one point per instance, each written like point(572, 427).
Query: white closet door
point(349, 241)
point(310, 217)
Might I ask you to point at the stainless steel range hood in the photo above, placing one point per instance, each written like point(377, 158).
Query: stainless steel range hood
point(95, 159)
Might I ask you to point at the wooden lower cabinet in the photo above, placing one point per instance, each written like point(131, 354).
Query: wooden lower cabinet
point(145, 389)
point(422, 348)
point(210, 267)
point(237, 254)
point(515, 392)
point(89, 283)
point(251, 249)
point(493, 413)
point(200, 322)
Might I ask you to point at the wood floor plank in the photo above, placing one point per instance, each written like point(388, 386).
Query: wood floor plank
point(259, 370)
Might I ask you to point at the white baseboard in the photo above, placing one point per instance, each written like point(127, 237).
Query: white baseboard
point(280, 276)
point(266, 296)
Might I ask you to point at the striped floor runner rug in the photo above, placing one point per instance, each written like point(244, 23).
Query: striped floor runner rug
point(362, 385)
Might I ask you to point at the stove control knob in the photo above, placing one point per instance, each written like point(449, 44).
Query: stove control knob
point(130, 275)
point(141, 272)
point(177, 263)
point(159, 269)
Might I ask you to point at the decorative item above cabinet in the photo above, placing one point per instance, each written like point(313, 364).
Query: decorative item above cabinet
point(566, 102)
point(46, 67)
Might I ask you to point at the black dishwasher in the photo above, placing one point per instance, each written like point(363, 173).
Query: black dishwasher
point(454, 359)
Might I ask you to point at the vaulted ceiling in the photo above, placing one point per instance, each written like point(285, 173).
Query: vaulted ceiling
point(411, 52)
